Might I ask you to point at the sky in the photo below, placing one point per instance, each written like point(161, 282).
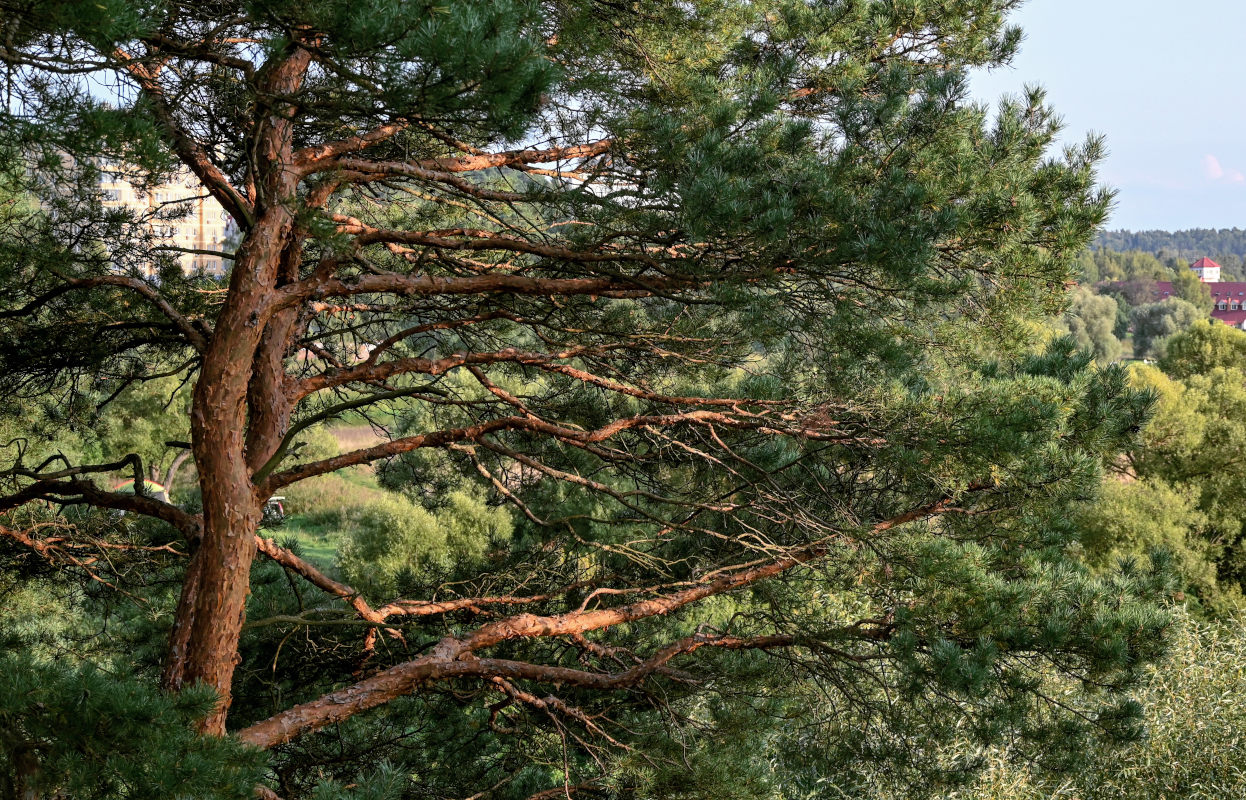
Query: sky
point(1164, 81)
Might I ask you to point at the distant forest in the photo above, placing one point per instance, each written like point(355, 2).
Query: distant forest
point(1191, 244)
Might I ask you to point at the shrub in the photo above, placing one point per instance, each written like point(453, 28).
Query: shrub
point(392, 537)
point(1194, 745)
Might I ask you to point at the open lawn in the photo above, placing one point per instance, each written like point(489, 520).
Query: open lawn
point(319, 510)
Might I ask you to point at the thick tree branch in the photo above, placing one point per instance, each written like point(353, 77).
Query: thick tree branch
point(191, 152)
point(369, 370)
point(480, 239)
point(77, 490)
point(308, 158)
point(473, 163)
point(455, 657)
point(818, 430)
point(321, 157)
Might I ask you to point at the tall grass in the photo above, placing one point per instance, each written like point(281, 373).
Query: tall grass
point(322, 511)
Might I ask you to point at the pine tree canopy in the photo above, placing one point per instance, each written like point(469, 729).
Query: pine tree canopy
point(699, 336)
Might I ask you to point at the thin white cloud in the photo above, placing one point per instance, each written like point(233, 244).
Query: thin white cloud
point(1235, 176)
point(1212, 168)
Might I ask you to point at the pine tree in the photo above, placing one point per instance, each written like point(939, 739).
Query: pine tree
point(726, 304)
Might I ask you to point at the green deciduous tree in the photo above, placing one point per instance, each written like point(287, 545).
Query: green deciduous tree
point(1187, 286)
point(1201, 348)
point(1191, 447)
point(718, 315)
point(1091, 319)
point(1154, 323)
point(1134, 519)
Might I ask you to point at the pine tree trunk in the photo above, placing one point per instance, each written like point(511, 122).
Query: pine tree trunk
point(26, 774)
point(211, 610)
point(204, 641)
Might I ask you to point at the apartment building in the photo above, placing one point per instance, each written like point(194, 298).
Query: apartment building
point(196, 236)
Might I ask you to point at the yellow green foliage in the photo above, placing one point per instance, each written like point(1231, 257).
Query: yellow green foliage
point(391, 536)
point(1132, 519)
point(1194, 745)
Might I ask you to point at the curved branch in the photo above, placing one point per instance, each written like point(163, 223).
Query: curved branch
point(310, 289)
point(321, 157)
point(331, 412)
point(479, 239)
point(454, 657)
point(198, 51)
point(78, 490)
point(309, 157)
point(442, 438)
point(369, 370)
point(317, 578)
point(193, 335)
point(191, 152)
point(385, 450)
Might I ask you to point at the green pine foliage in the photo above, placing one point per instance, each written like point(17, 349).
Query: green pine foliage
point(814, 352)
point(80, 715)
point(84, 732)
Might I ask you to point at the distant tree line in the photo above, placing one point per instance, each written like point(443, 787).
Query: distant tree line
point(1222, 244)
point(1106, 264)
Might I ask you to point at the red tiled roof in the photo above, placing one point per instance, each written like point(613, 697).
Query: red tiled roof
point(1234, 318)
point(1217, 288)
point(1226, 288)
point(1204, 263)
point(1228, 291)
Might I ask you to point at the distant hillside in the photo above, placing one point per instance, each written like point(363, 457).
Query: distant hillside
point(1190, 245)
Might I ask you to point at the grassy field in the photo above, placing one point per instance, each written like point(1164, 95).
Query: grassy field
point(316, 543)
point(318, 511)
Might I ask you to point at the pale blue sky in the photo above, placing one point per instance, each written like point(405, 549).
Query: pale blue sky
point(1165, 81)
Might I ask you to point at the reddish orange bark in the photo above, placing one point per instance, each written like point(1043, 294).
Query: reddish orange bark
point(210, 613)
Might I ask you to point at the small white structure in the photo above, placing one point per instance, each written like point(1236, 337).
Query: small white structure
point(1207, 270)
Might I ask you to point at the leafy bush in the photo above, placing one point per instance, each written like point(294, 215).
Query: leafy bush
point(1196, 730)
point(392, 537)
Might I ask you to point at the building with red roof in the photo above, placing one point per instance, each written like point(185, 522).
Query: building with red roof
point(1208, 271)
point(1228, 298)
